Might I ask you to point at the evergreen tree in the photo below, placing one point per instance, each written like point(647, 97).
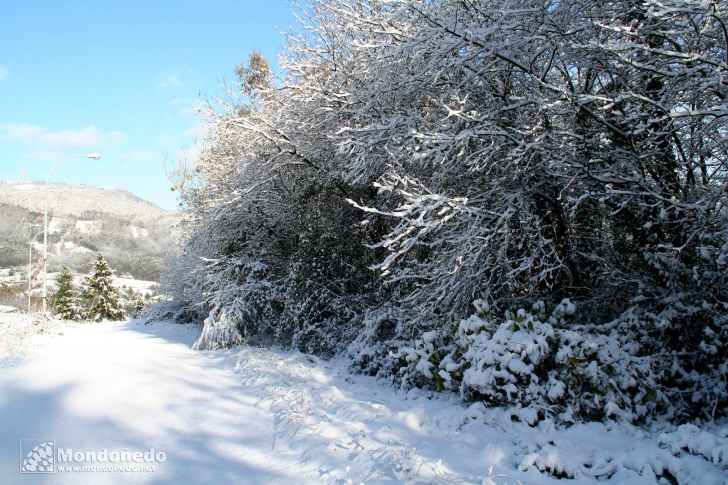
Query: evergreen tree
point(100, 297)
point(64, 301)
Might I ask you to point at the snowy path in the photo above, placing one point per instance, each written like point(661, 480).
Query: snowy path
point(109, 386)
point(250, 415)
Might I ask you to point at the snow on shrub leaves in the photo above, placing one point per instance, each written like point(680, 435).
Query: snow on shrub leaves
point(539, 360)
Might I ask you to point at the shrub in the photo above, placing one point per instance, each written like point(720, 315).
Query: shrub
point(536, 359)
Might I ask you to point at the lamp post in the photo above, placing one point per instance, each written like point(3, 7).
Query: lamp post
point(30, 266)
point(92, 156)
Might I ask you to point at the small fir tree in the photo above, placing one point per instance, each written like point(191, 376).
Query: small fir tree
point(100, 296)
point(64, 301)
point(133, 302)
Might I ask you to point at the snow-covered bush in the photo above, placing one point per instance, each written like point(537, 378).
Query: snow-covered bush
point(134, 302)
point(415, 156)
point(238, 300)
point(687, 344)
point(691, 439)
point(538, 360)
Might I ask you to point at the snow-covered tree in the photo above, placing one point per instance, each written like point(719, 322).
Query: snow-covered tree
point(64, 301)
point(100, 297)
point(417, 156)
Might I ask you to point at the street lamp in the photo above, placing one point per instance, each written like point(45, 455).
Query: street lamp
point(30, 265)
point(92, 156)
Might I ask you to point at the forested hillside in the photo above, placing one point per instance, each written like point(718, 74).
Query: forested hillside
point(523, 201)
point(136, 235)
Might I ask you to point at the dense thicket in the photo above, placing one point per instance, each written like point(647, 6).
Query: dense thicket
point(419, 156)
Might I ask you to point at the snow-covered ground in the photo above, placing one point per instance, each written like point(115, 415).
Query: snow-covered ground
point(140, 286)
point(250, 415)
point(21, 334)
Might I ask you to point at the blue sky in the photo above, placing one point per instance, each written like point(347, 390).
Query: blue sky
point(122, 78)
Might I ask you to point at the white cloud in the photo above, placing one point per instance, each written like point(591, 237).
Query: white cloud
point(44, 156)
point(171, 80)
point(42, 139)
point(4, 72)
point(147, 156)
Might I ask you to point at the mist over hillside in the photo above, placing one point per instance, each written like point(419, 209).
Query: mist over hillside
point(132, 233)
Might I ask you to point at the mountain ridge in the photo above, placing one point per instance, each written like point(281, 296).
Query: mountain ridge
point(75, 199)
point(135, 235)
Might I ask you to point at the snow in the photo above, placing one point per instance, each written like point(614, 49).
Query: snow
point(137, 232)
point(22, 187)
point(140, 286)
point(254, 415)
point(21, 334)
point(72, 200)
point(55, 224)
point(84, 227)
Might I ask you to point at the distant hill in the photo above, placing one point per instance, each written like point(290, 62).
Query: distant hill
point(74, 200)
point(134, 234)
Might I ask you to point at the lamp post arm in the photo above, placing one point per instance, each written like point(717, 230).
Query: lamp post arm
point(92, 156)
